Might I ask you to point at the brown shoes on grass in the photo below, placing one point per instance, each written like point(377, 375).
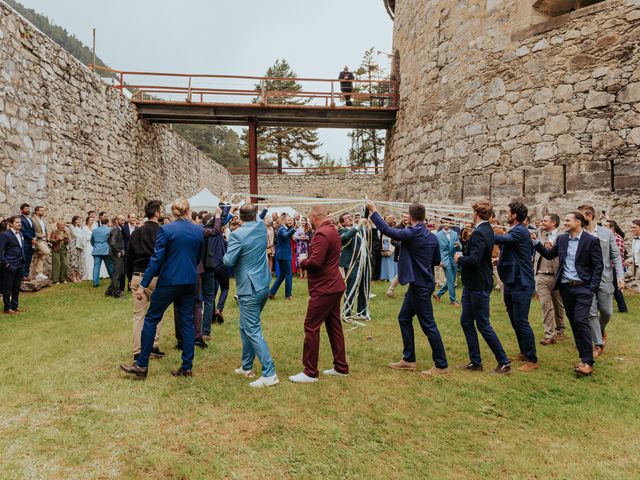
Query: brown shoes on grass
point(403, 365)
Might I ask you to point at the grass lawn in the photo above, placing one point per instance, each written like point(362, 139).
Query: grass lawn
point(67, 412)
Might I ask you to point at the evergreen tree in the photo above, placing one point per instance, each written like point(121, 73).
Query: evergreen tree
point(367, 145)
point(295, 145)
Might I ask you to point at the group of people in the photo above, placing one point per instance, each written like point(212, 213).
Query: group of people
point(187, 261)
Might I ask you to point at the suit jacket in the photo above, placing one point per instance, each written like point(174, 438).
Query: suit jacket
point(28, 230)
point(116, 242)
point(611, 258)
point(11, 253)
point(323, 263)
point(475, 264)
point(126, 235)
point(418, 255)
point(247, 254)
point(100, 240)
point(515, 263)
point(541, 264)
point(283, 242)
point(347, 241)
point(42, 235)
point(214, 243)
point(176, 255)
point(447, 247)
point(588, 259)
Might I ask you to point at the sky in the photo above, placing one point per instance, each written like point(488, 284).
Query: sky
point(235, 37)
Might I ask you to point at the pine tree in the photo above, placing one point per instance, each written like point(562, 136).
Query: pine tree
point(367, 145)
point(295, 145)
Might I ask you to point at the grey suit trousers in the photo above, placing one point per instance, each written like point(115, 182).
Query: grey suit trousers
point(600, 313)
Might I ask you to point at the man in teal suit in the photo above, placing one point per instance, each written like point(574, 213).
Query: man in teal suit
point(247, 254)
point(448, 242)
point(100, 252)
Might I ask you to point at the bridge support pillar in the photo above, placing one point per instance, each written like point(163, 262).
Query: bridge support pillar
point(253, 160)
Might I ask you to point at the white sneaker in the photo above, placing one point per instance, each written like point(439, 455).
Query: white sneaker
point(265, 382)
point(302, 378)
point(372, 295)
point(334, 373)
point(246, 373)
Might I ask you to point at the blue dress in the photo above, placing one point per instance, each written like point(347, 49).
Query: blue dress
point(388, 268)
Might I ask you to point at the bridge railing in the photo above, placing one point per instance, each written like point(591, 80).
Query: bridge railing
point(212, 89)
point(339, 169)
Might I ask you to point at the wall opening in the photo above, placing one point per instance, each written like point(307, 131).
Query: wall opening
point(613, 177)
point(564, 179)
point(554, 8)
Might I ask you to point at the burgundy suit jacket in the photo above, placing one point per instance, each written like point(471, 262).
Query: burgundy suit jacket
point(322, 265)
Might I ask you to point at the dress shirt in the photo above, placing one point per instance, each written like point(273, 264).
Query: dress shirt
point(569, 271)
point(635, 249)
point(44, 230)
point(18, 236)
point(447, 233)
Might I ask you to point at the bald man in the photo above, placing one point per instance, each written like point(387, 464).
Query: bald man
point(325, 291)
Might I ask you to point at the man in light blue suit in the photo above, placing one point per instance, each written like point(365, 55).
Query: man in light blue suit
point(448, 242)
point(100, 252)
point(247, 254)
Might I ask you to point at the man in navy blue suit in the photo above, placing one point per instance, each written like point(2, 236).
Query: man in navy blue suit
point(283, 257)
point(419, 253)
point(175, 262)
point(515, 268)
point(29, 234)
point(12, 264)
point(477, 279)
point(578, 279)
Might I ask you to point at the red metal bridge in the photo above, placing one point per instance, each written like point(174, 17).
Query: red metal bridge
point(256, 102)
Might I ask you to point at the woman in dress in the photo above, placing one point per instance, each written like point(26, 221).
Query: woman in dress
point(76, 250)
point(87, 249)
point(271, 250)
point(302, 238)
point(388, 267)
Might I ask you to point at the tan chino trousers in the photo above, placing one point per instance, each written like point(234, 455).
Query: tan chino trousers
point(140, 310)
point(551, 303)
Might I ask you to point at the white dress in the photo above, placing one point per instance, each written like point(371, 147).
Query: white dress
point(88, 258)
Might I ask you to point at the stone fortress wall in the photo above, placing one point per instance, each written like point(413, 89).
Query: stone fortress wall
point(499, 101)
point(69, 142)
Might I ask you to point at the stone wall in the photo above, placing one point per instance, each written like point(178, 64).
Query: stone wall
point(69, 142)
point(501, 101)
point(335, 185)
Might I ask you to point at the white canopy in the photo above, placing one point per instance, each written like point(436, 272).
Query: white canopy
point(203, 200)
point(280, 210)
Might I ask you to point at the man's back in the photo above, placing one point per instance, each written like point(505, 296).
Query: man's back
point(476, 270)
point(247, 254)
point(100, 240)
point(325, 278)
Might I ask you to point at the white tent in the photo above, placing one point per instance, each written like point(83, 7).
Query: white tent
point(203, 200)
point(280, 210)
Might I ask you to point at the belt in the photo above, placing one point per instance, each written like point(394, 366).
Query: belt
point(138, 274)
point(575, 283)
point(545, 273)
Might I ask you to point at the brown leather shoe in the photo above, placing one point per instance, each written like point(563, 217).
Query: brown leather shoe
point(528, 367)
point(181, 373)
point(403, 365)
point(548, 341)
point(559, 337)
point(470, 367)
point(10, 312)
point(502, 369)
point(519, 358)
point(455, 304)
point(434, 371)
point(598, 351)
point(583, 369)
point(435, 296)
point(134, 369)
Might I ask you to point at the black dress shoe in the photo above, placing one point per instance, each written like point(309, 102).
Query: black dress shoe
point(471, 367)
point(135, 369)
point(181, 373)
point(155, 352)
point(201, 343)
point(503, 369)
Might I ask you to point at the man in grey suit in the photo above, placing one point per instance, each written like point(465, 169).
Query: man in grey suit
point(116, 252)
point(247, 254)
point(602, 306)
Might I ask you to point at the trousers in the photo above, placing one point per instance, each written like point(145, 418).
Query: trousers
point(97, 263)
point(10, 287)
point(182, 296)
point(577, 303)
point(600, 314)
point(450, 286)
point(140, 308)
point(475, 314)
point(253, 342)
point(417, 302)
point(323, 309)
point(551, 304)
point(285, 275)
point(517, 299)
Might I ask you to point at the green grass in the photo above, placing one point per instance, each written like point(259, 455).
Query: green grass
point(67, 412)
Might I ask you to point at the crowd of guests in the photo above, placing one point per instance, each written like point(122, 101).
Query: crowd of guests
point(574, 270)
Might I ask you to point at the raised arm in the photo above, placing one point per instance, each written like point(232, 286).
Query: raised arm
point(401, 234)
point(548, 254)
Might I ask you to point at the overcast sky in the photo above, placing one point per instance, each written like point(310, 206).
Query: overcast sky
point(243, 37)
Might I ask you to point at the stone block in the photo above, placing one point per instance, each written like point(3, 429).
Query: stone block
point(598, 99)
point(633, 137)
point(557, 124)
point(607, 141)
point(630, 93)
point(497, 88)
point(568, 144)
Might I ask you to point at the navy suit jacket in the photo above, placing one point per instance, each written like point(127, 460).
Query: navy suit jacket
point(515, 263)
point(419, 252)
point(476, 269)
point(126, 235)
point(11, 254)
point(28, 232)
point(176, 255)
point(283, 242)
point(589, 264)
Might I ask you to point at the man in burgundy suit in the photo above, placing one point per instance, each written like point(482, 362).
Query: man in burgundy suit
point(325, 292)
